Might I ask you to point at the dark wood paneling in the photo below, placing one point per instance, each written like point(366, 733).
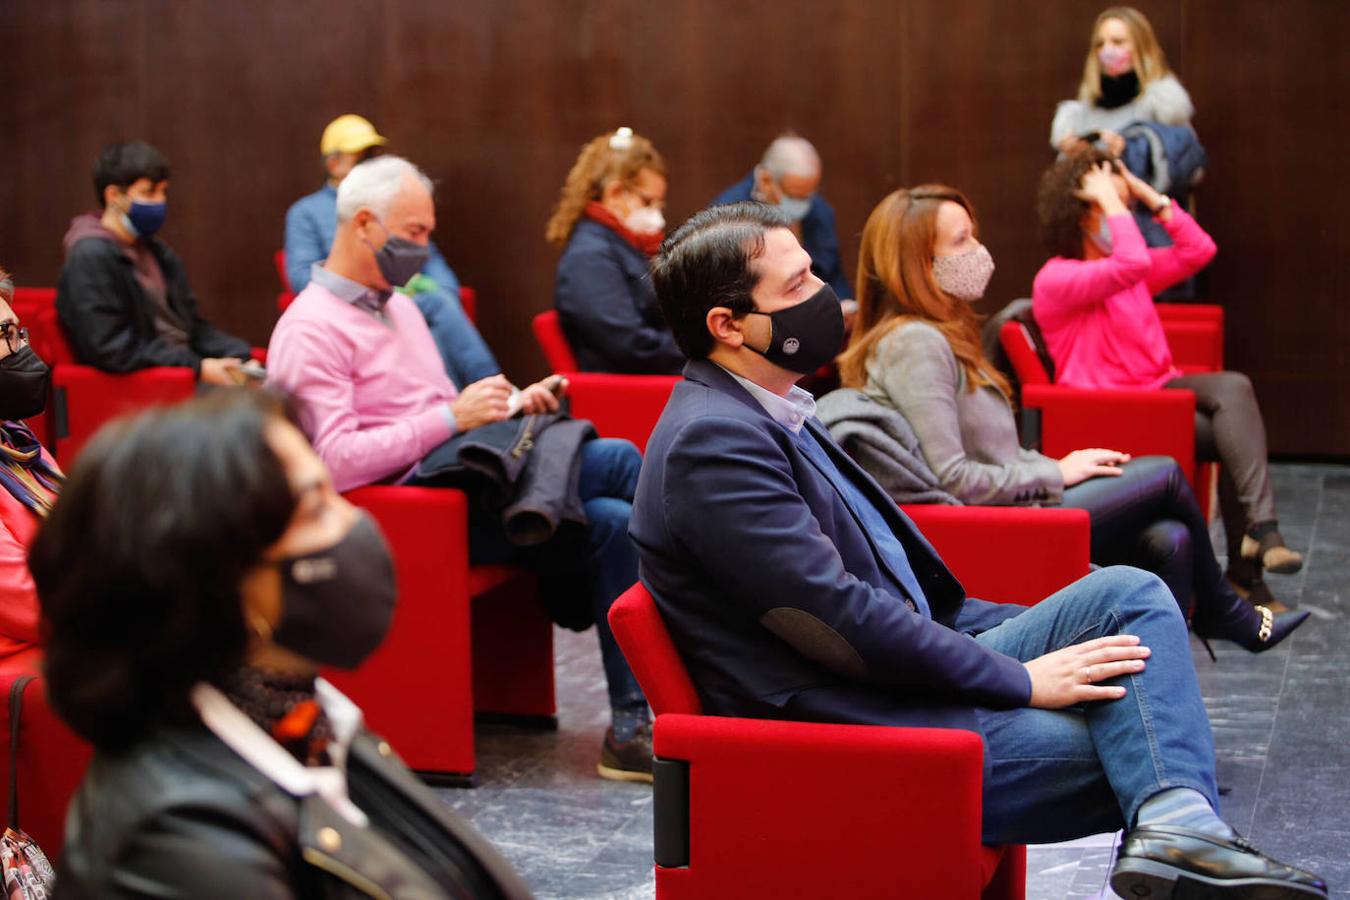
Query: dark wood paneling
point(1268, 81)
point(494, 97)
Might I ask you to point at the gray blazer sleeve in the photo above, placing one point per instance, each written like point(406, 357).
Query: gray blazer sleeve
point(919, 373)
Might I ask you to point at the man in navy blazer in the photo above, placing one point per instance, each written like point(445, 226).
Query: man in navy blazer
point(794, 588)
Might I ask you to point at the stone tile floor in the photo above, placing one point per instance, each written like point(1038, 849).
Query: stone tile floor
point(1281, 725)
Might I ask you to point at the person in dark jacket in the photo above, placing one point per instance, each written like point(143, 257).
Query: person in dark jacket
point(788, 177)
point(124, 297)
point(810, 596)
point(185, 647)
point(610, 221)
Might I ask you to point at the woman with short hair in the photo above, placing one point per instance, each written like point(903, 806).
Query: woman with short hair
point(197, 571)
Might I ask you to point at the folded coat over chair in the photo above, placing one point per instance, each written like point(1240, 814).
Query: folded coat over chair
point(881, 440)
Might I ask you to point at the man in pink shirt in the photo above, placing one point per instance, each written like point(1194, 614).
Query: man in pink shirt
point(374, 398)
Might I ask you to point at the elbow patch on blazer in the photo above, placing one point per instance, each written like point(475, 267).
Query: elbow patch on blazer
point(815, 639)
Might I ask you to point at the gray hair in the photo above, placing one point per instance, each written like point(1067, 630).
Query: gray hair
point(790, 154)
point(375, 183)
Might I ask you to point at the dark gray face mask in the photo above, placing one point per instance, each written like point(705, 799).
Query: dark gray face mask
point(337, 603)
point(400, 259)
point(806, 336)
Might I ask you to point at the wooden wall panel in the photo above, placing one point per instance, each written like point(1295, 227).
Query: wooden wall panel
point(494, 98)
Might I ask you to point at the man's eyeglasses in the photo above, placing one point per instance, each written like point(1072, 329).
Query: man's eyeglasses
point(14, 336)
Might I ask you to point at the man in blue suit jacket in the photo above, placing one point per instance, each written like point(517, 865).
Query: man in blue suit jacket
point(794, 588)
point(788, 176)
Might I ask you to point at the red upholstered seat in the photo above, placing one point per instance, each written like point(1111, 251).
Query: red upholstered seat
point(548, 332)
point(51, 758)
point(465, 639)
point(755, 808)
point(620, 406)
point(758, 808)
point(84, 398)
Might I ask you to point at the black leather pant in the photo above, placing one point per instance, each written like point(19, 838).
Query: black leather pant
point(1148, 517)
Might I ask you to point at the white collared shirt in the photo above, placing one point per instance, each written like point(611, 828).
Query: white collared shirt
point(242, 735)
point(791, 411)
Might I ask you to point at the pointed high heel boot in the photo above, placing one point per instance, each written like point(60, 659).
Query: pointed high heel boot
point(1253, 628)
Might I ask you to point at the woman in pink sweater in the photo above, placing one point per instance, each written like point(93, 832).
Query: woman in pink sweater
point(1094, 303)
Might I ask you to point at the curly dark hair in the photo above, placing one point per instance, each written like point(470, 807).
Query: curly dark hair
point(1058, 205)
point(139, 566)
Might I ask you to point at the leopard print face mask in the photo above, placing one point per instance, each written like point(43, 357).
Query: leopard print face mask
point(966, 275)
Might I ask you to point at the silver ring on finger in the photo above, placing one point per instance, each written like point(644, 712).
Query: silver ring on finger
point(1087, 674)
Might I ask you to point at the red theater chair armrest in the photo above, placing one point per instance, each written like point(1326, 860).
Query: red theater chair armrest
point(759, 801)
point(620, 406)
point(1007, 553)
point(1138, 422)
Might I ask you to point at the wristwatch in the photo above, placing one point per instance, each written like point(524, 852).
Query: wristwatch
point(1162, 207)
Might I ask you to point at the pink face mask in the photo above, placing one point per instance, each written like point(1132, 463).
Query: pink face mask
point(1116, 61)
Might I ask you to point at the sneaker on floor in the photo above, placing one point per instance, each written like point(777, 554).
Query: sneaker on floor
point(629, 761)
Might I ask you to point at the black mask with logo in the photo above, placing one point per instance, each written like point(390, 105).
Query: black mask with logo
point(806, 336)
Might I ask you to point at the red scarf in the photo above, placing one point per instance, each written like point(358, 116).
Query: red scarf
point(649, 244)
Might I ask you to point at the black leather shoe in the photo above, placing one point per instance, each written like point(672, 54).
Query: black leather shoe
point(1165, 862)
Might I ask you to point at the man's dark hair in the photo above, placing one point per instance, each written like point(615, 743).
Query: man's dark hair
point(138, 567)
point(1058, 205)
point(122, 164)
point(707, 263)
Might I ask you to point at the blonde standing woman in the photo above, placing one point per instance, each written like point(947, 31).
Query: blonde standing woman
point(1126, 79)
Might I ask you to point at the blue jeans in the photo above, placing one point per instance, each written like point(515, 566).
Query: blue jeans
point(606, 482)
point(463, 351)
point(1062, 774)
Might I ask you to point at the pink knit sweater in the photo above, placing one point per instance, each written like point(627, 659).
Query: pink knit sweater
point(373, 394)
point(1098, 316)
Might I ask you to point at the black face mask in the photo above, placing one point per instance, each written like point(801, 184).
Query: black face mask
point(337, 603)
point(24, 383)
point(1118, 90)
point(806, 336)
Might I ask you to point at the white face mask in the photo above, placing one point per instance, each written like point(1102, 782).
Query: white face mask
point(645, 220)
point(965, 275)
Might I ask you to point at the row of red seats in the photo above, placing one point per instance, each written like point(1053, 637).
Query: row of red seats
point(484, 625)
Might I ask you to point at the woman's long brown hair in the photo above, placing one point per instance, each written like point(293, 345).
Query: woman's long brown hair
point(895, 285)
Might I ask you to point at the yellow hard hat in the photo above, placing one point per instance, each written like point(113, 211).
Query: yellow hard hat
point(349, 134)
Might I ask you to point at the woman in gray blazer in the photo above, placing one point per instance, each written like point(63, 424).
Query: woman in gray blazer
point(915, 347)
